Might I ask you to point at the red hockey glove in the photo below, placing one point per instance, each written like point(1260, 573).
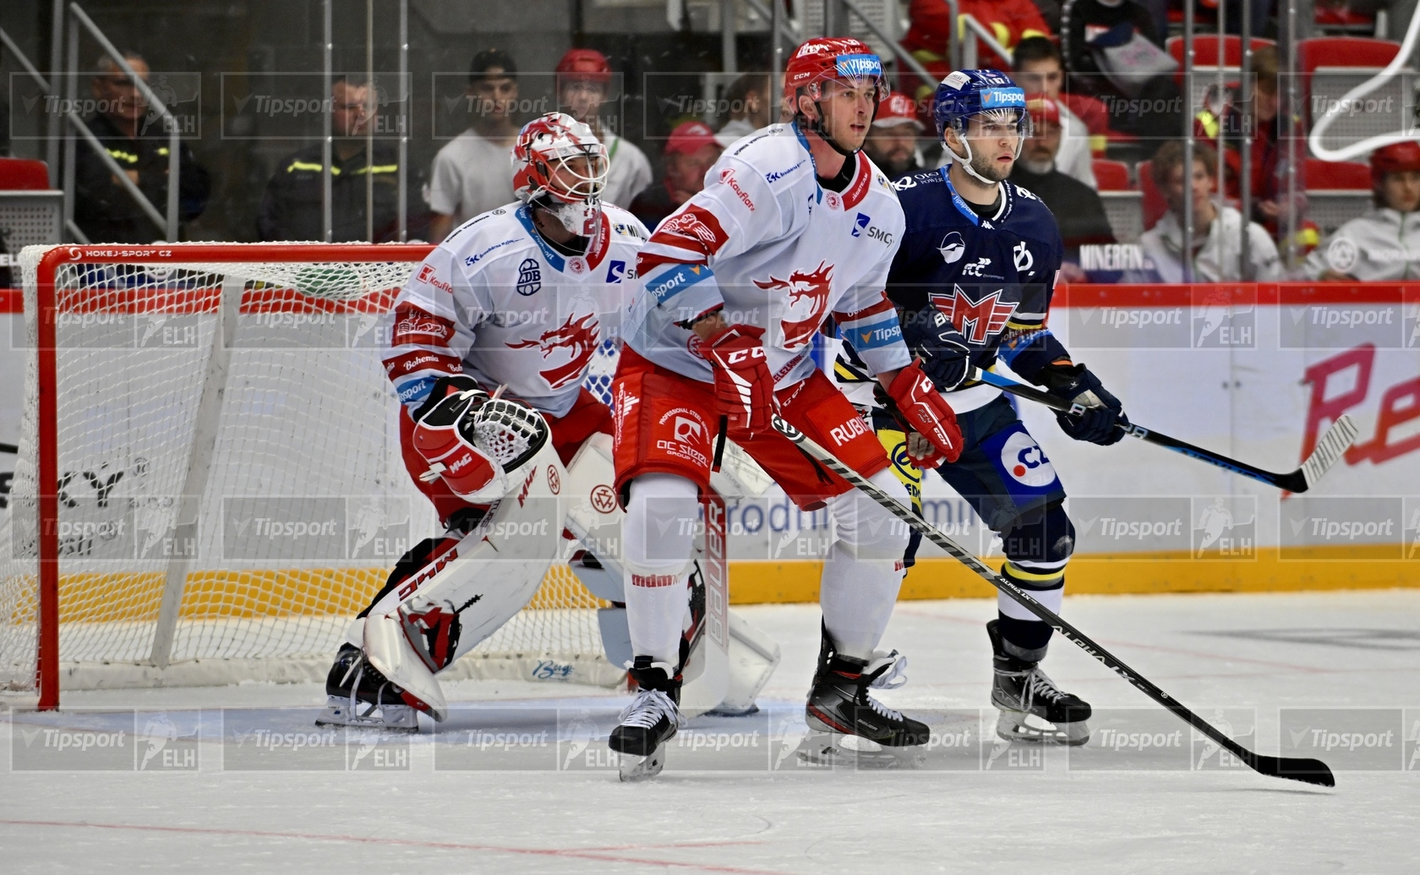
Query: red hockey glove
point(744, 388)
point(440, 437)
point(919, 408)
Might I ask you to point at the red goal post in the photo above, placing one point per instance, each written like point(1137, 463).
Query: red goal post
point(209, 484)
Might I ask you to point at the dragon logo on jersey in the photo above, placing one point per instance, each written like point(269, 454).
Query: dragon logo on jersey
point(980, 319)
point(578, 335)
point(802, 286)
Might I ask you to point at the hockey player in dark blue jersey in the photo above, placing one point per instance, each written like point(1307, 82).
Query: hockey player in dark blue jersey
point(973, 278)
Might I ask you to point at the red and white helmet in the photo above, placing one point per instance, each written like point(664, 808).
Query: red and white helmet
point(824, 58)
point(545, 172)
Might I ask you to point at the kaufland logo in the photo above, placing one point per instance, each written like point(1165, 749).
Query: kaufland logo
point(854, 66)
point(997, 97)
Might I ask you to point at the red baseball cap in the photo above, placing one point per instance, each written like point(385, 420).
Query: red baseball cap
point(689, 137)
point(584, 64)
point(1042, 108)
point(898, 109)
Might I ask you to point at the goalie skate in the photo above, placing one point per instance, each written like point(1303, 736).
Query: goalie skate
point(1032, 708)
point(359, 696)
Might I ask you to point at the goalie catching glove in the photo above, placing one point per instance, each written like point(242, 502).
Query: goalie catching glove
point(1098, 414)
point(744, 388)
point(472, 441)
point(932, 433)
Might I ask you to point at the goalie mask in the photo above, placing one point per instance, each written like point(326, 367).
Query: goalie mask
point(987, 93)
point(559, 165)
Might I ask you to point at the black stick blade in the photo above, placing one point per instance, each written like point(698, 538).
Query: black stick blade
point(1302, 769)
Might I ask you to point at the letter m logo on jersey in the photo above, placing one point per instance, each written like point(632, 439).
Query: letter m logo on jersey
point(978, 320)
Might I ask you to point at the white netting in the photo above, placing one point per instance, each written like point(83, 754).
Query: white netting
point(251, 558)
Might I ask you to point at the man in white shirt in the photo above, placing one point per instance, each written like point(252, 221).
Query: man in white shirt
point(584, 81)
point(1216, 249)
point(1382, 245)
point(473, 172)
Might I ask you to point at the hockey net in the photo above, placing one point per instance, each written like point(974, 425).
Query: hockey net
point(209, 483)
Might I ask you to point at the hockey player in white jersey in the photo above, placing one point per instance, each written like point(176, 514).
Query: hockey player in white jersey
point(520, 298)
point(794, 224)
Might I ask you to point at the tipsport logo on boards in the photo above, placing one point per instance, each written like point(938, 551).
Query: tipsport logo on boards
point(124, 741)
point(1346, 326)
point(1224, 527)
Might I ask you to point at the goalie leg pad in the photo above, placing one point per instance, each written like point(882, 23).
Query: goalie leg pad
point(471, 588)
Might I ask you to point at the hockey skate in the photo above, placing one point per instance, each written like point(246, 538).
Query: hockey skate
point(847, 726)
point(359, 696)
point(1021, 690)
point(648, 722)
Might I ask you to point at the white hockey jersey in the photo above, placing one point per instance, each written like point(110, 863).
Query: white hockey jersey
point(498, 303)
point(764, 241)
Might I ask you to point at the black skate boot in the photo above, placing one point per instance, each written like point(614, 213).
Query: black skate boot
point(1021, 690)
point(839, 705)
point(648, 722)
point(360, 696)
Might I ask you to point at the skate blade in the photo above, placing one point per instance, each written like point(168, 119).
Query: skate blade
point(1017, 726)
point(391, 718)
point(837, 750)
point(631, 768)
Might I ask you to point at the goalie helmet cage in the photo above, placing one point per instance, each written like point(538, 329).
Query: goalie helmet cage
point(209, 484)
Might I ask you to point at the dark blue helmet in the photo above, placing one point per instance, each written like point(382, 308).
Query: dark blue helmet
point(965, 93)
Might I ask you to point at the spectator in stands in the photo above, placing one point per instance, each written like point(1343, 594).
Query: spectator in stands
point(690, 151)
point(927, 38)
point(583, 84)
point(1214, 253)
point(1221, 117)
point(1039, 68)
point(291, 207)
point(749, 103)
point(1077, 207)
point(1384, 243)
point(892, 137)
point(138, 141)
point(473, 172)
point(1113, 51)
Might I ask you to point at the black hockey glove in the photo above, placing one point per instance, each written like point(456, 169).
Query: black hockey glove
point(942, 348)
point(1103, 414)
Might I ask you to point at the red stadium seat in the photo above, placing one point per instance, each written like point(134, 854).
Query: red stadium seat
point(1337, 174)
point(1344, 51)
point(1206, 47)
point(23, 174)
point(1111, 175)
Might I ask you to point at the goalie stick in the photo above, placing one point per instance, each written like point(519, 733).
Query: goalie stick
point(1311, 771)
point(1336, 440)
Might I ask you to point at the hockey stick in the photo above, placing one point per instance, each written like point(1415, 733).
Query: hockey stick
point(1340, 436)
point(1310, 771)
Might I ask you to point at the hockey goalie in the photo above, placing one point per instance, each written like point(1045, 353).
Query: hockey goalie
point(491, 342)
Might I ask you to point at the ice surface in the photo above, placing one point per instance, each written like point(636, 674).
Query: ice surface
point(518, 779)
